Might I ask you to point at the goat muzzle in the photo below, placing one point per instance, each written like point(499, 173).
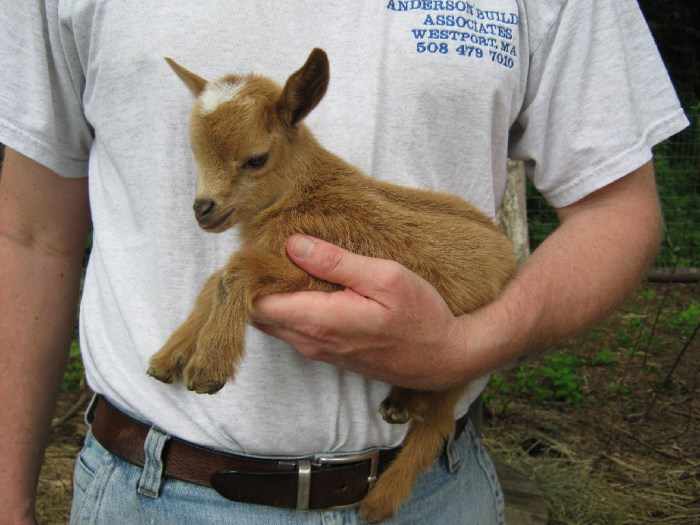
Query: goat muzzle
point(203, 209)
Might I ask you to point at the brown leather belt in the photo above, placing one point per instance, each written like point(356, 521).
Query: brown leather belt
point(317, 482)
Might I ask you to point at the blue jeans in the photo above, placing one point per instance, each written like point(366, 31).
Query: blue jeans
point(460, 488)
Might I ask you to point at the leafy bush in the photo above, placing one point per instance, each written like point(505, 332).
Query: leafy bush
point(555, 381)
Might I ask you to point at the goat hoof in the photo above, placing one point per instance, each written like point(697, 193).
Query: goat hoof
point(160, 375)
point(205, 387)
point(394, 412)
point(202, 381)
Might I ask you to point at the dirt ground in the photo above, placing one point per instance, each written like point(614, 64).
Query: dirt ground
point(630, 452)
point(626, 451)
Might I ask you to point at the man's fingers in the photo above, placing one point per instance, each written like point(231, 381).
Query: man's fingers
point(305, 312)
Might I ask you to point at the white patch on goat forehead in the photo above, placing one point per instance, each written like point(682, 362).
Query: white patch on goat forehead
point(217, 92)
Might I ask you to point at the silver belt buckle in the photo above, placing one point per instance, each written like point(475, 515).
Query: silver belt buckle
point(304, 482)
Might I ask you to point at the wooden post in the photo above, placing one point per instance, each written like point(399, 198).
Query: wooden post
point(512, 216)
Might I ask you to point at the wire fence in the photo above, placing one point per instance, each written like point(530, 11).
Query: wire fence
point(677, 162)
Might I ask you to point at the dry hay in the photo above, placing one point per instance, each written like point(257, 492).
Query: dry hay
point(600, 490)
point(55, 489)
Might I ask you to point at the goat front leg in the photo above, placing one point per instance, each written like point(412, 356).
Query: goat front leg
point(168, 363)
point(220, 346)
point(220, 342)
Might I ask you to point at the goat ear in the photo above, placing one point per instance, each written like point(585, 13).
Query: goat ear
point(194, 82)
point(305, 88)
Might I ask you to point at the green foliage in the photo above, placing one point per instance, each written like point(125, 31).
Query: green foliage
point(497, 396)
point(74, 374)
point(555, 381)
point(605, 357)
point(686, 319)
point(558, 379)
point(627, 338)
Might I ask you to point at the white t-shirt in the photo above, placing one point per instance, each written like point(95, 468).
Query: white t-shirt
point(433, 94)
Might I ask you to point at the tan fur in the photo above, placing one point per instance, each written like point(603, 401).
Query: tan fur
point(303, 188)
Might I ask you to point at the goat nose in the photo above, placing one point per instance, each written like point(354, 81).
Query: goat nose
point(202, 208)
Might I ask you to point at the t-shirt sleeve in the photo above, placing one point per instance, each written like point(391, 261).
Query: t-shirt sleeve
point(598, 98)
point(41, 85)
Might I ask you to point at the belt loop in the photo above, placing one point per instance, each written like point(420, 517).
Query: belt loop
point(304, 485)
point(152, 475)
point(453, 456)
point(90, 410)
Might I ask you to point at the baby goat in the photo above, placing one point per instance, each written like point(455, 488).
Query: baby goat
point(262, 169)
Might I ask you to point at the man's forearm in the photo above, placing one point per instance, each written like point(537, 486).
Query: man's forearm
point(38, 295)
point(582, 271)
point(44, 221)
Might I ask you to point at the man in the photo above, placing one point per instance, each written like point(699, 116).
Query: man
point(432, 94)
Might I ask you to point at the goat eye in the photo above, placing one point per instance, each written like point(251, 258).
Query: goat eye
point(257, 161)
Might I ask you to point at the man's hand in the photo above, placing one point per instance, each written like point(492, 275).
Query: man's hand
point(388, 323)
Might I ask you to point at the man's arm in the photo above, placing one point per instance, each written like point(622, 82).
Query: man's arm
point(601, 250)
point(391, 325)
point(44, 222)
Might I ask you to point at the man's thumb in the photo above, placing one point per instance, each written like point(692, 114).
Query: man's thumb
point(327, 261)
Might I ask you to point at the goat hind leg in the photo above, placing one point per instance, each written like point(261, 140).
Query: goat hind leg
point(423, 444)
point(402, 405)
